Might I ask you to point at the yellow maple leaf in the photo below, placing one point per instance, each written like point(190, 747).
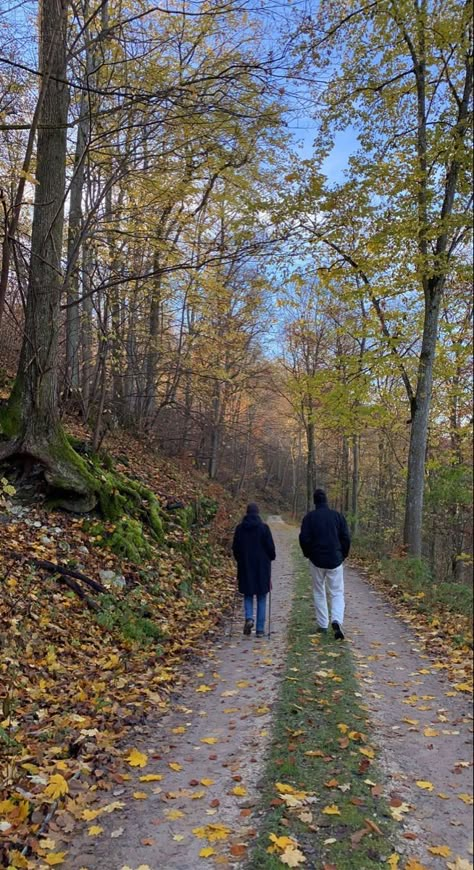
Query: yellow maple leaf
point(292, 857)
point(57, 786)
point(207, 782)
point(239, 790)
point(242, 684)
point(282, 842)
point(367, 751)
point(397, 812)
point(413, 864)
point(393, 861)
point(332, 810)
point(180, 729)
point(425, 784)
point(466, 798)
point(95, 830)
point(174, 765)
point(203, 688)
point(212, 832)
point(463, 687)
point(172, 815)
point(284, 788)
point(209, 740)
point(151, 777)
point(55, 858)
point(140, 795)
point(443, 851)
point(17, 861)
point(459, 864)
point(431, 732)
point(206, 852)
point(343, 728)
point(90, 815)
point(136, 758)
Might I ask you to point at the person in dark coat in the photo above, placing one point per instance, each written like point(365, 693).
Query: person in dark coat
point(325, 541)
point(254, 551)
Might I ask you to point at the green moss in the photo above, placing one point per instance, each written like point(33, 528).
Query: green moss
point(128, 540)
point(10, 414)
point(117, 615)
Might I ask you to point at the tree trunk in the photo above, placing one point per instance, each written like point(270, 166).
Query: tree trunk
point(412, 536)
point(73, 320)
point(310, 464)
point(30, 423)
point(355, 485)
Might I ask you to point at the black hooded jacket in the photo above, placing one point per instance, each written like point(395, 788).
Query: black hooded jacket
point(324, 537)
point(254, 552)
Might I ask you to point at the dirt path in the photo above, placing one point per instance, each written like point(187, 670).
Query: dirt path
point(218, 733)
point(232, 712)
point(423, 728)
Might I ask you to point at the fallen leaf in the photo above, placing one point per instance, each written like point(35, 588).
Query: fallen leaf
point(95, 830)
point(466, 798)
point(443, 851)
point(413, 864)
point(239, 790)
point(174, 765)
point(55, 858)
point(140, 795)
point(151, 777)
point(424, 784)
point(459, 864)
point(206, 852)
point(209, 740)
point(292, 857)
point(238, 849)
point(57, 787)
point(332, 810)
point(136, 758)
point(212, 832)
point(172, 815)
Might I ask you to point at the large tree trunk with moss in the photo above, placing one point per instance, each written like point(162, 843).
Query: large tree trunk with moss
point(30, 423)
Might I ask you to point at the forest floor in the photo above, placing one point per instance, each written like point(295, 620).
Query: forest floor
point(191, 793)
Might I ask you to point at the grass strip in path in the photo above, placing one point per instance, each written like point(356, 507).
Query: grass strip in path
point(321, 794)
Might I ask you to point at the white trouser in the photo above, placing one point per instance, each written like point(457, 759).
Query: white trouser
point(331, 579)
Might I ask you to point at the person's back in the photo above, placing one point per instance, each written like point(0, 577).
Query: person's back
point(254, 551)
point(325, 541)
point(324, 536)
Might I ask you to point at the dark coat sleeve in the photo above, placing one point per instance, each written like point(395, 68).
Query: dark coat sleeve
point(268, 544)
point(305, 537)
point(344, 537)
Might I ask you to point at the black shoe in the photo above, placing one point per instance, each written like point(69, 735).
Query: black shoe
point(260, 634)
point(338, 632)
point(248, 626)
point(322, 630)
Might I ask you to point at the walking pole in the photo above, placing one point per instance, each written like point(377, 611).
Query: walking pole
point(270, 612)
point(233, 613)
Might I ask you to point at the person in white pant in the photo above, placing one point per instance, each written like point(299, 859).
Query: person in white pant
point(325, 541)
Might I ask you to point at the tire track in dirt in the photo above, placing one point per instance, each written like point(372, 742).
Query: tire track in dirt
point(423, 728)
point(242, 675)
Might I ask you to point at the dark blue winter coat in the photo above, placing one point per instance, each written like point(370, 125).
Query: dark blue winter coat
point(324, 537)
point(254, 552)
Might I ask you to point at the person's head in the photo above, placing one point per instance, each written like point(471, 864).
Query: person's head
point(319, 496)
point(252, 508)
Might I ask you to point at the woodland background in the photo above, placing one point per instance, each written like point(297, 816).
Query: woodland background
point(175, 266)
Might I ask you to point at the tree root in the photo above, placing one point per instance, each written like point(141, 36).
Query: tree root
point(64, 570)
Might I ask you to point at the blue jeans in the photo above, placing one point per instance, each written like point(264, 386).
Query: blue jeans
point(261, 609)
